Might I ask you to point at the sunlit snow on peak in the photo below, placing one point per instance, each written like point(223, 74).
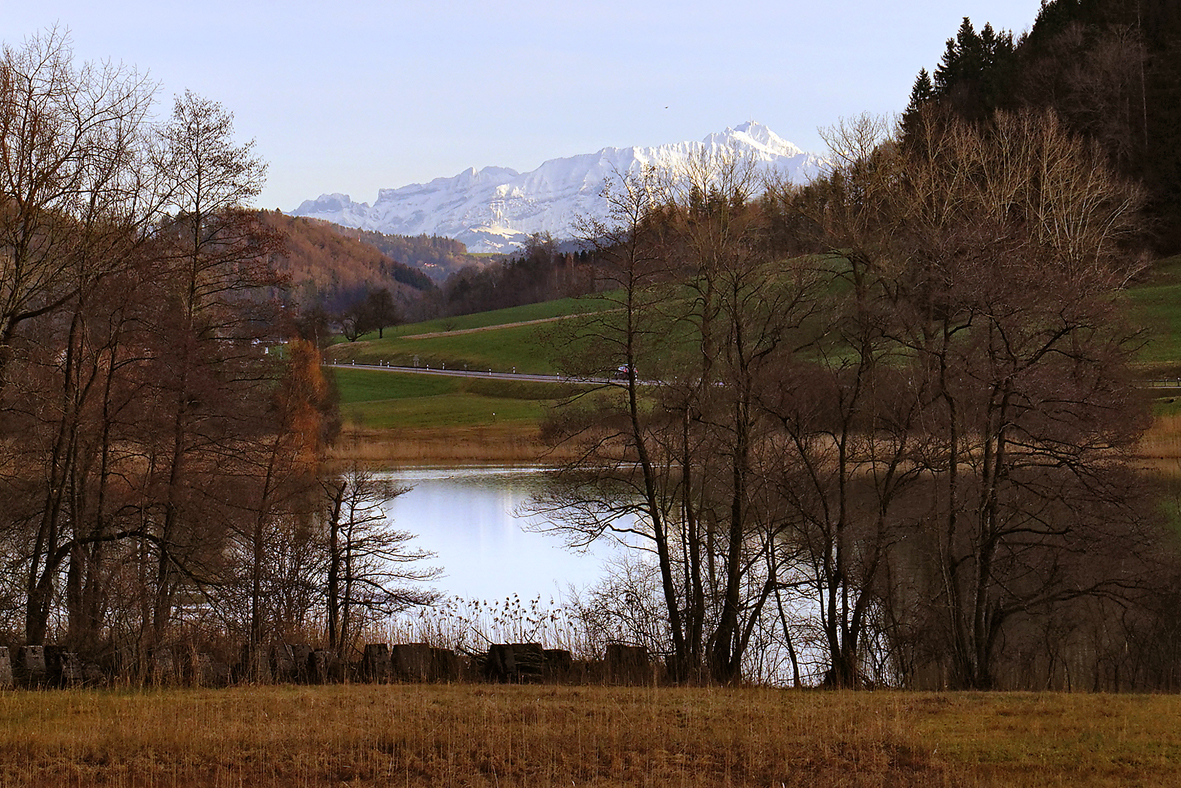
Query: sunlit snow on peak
point(496, 209)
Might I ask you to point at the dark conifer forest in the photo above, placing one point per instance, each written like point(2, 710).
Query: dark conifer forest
point(1109, 69)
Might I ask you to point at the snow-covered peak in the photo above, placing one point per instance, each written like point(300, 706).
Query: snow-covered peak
point(325, 202)
point(754, 135)
point(496, 208)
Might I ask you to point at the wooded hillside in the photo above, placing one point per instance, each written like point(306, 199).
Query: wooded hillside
point(1110, 70)
point(436, 256)
point(330, 269)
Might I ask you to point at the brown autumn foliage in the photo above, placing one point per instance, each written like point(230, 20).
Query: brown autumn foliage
point(329, 268)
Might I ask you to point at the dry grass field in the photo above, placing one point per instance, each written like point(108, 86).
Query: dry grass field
point(501, 736)
point(511, 443)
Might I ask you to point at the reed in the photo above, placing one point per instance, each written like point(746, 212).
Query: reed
point(514, 443)
point(471, 625)
point(1161, 444)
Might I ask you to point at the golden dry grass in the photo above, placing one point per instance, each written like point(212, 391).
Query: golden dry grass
point(474, 735)
point(514, 443)
point(1161, 445)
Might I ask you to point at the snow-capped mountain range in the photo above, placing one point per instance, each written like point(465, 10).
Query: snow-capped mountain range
point(496, 209)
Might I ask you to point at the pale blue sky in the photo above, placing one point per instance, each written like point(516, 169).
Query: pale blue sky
point(355, 95)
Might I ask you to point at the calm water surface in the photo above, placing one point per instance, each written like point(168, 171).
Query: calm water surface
point(472, 519)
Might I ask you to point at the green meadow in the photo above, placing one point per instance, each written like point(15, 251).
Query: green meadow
point(545, 310)
point(378, 399)
point(490, 341)
point(486, 341)
point(1156, 307)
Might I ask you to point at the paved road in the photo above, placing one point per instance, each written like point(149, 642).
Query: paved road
point(471, 373)
point(1171, 385)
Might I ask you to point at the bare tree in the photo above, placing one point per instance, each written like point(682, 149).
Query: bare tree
point(702, 308)
point(1033, 384)
point(994, 250)
point(72, 172)
point(371, 570)
point(211, 320)
point(78, 197)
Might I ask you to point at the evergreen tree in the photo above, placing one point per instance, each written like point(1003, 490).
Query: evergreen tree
point(922, 92)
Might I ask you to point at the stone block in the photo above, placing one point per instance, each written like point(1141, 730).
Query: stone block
point(412, 661)
point(283, 663)
point(63, 667)
point(558, 664)
point(254, 665)
point(301, 655)
point(322, 666)
point(377, 664)
point(6, 677)
point(30, 666)
point(515, 663)
point(93, 675)
point(446, 665)
point(628, 665)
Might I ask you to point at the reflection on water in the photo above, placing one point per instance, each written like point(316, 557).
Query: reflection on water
point(469, 518)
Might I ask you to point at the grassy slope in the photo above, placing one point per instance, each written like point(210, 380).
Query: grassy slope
point(1156, 305)
point(482, 735)
point(383, 400)
point(502, 349)
point(373, 400)
point(499, 349)
point(498, 317)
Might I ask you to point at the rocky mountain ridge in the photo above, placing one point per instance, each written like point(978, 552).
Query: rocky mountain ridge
point(495, 209)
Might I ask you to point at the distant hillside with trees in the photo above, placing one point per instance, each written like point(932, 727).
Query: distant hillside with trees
point(544, 270)
point(354, 281)
point(330, 269)
point(436, 256)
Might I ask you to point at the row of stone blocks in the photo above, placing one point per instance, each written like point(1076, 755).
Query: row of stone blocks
point(44, 666)
point(521, 663)
point(52, 666)
point(503, 662)
point(407, 662)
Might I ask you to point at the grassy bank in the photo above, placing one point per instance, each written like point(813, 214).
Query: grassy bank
point(424, 735)
point(396, 417)
point(377, 400)
point(514, 444)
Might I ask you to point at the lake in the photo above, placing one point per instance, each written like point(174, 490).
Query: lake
point(471, 519)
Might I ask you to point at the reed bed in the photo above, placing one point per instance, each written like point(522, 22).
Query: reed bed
point(470, 735)
point(507, 443)
point(1160, 447)
point(470, 626)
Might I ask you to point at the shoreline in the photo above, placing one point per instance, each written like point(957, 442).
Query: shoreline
point(487, 444)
